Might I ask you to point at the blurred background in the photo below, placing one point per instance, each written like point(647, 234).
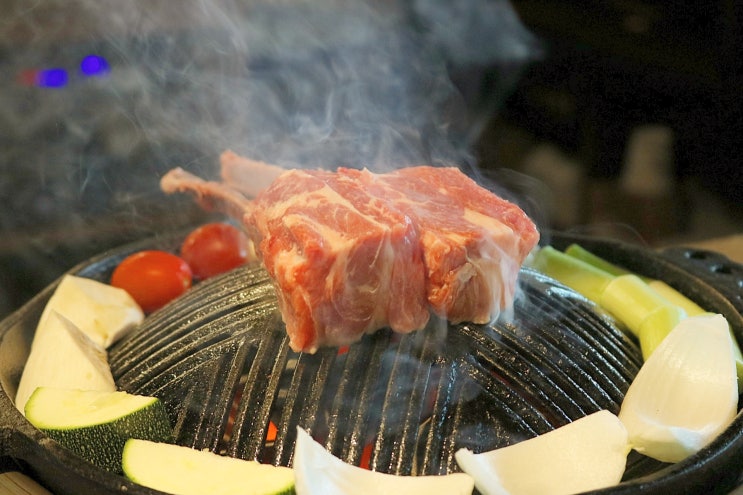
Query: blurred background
point(620, 118)
point(632, 119)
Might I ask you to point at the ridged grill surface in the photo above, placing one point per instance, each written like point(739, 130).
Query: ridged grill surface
point(220, 361)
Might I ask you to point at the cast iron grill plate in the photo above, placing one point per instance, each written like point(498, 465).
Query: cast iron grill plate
point(220, 361)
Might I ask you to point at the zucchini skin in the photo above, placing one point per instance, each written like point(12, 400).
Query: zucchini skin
point(103, 444)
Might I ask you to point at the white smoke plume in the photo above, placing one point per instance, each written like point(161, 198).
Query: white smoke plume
point(293, 82)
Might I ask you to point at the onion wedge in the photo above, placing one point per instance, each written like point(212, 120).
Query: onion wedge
point(318, 472)
point(587, 454)
point(686, 393)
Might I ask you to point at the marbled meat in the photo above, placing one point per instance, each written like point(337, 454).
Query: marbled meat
point(352, 251)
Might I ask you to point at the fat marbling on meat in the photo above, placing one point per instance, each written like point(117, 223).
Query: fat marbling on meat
point(351, 251)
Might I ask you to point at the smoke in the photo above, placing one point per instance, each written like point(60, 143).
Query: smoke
point(302, 84)
point(299, 83)
point(318, 83)
point(327, 81)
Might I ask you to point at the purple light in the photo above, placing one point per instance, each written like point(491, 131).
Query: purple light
point(52, 78)
point(94, 65)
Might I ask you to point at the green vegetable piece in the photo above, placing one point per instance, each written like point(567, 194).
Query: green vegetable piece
point(576, 274)
point(579, 252)
point(631, 301)
point(661, 288)
point(96, 424)
point(182, 470)
point(649, 308)
point(657, 325)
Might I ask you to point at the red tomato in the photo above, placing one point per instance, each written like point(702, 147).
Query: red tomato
point(153, 278)
point(215, 248)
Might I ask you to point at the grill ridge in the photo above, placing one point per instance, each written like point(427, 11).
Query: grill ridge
point(220, 361)
point(354, 395)
point(403, 406)
point(260, 386)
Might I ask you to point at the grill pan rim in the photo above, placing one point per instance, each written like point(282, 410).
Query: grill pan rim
point(719, 462)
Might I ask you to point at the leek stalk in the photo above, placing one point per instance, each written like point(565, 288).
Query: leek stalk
point(656, 325)
point(579, 252)
point(631, 301)
point(580, 276)
point(677, 298)
point(626, 296)
point(648, 308)
point(661, 288)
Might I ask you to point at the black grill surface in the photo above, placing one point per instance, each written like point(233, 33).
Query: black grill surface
point(219, 359)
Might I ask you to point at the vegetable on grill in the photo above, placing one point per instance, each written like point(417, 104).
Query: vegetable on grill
point(96, 424)
point(625, 296)
point(102, 312)
point(185, 471)
point(685, 394)
point(63, 356)
point(587, 454)
point(153, 278)
point(658, 286)
point(318, 472)
point(214, 248)
point(649, 309)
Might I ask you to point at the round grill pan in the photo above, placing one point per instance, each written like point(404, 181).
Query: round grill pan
point(219, 360)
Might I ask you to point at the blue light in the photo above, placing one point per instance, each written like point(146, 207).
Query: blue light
point(52, 78)
point(94, 65)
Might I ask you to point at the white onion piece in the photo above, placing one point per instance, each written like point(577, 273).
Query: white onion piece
point(686, 392)
point(318, 472)
point(587, 454)
point(102, 312)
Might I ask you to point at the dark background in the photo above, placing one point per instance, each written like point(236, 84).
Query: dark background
point(485, 83)
point(613, 66)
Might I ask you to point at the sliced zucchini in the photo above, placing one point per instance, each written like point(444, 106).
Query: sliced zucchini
point(185, 471)
point(96, 424)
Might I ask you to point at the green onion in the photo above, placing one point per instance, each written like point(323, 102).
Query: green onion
point(677, 298)
point(632, 301)
point(648, 308)
point(661, 288)
point(579, 252)
point(627, 297)
point(657, 325)
point(576, 274)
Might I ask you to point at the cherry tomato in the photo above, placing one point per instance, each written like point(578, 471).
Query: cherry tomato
point(215, 248)
point(153, 278)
